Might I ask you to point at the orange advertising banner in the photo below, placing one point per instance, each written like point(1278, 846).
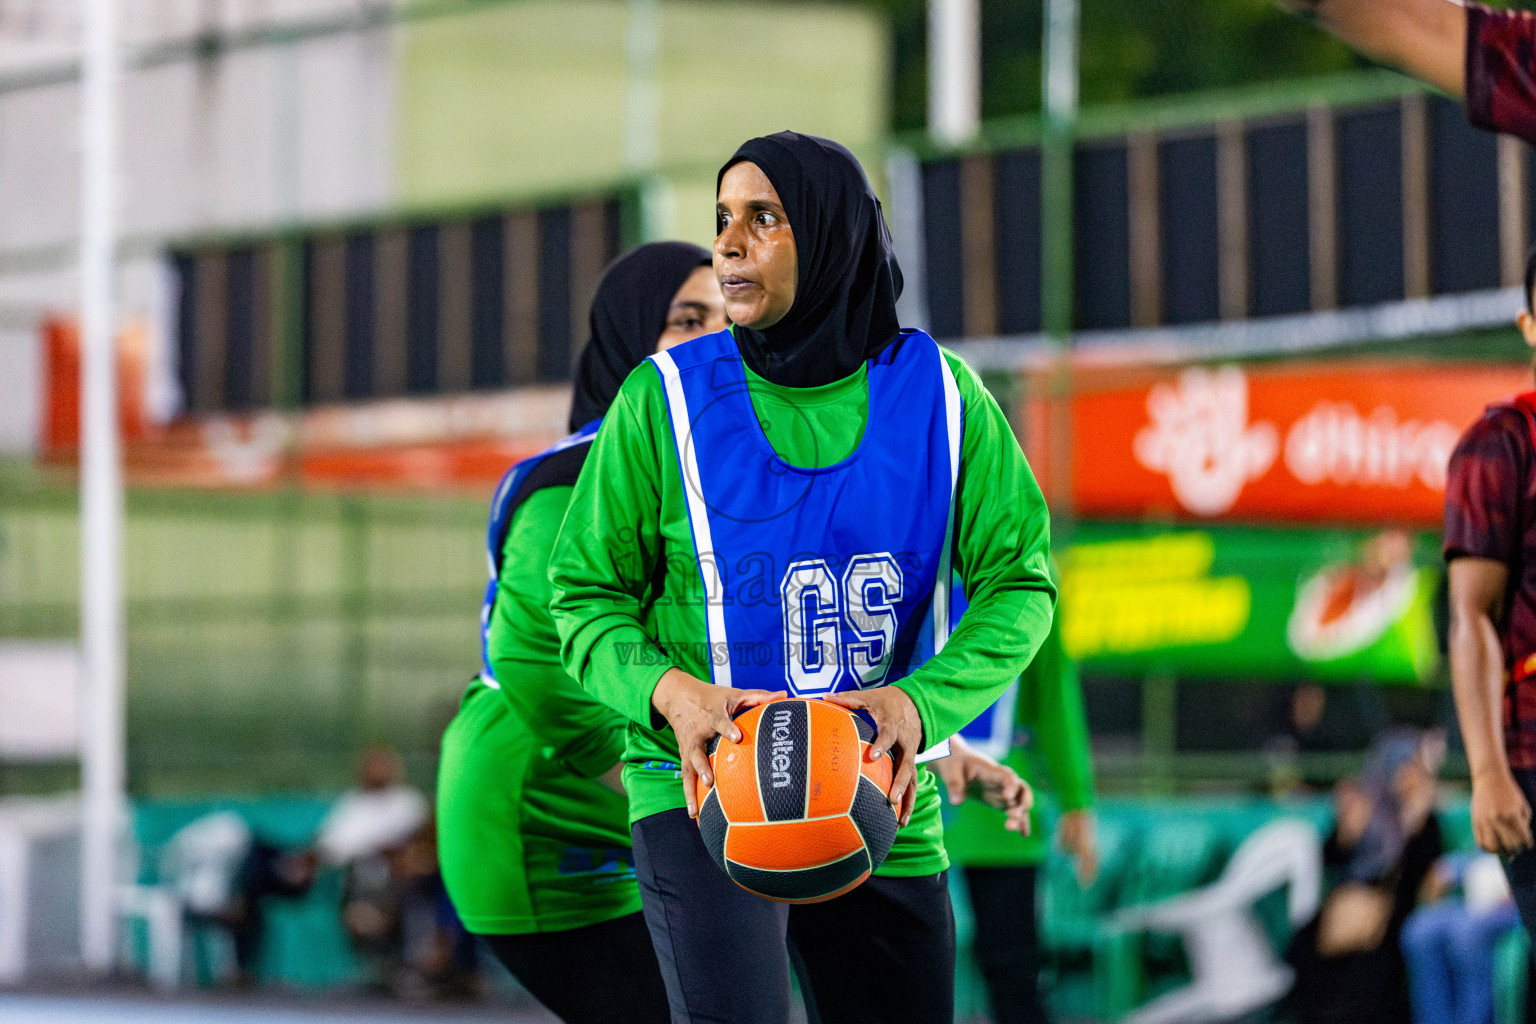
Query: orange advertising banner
point(1338, 442)
point(459, 443)
point(60, 427)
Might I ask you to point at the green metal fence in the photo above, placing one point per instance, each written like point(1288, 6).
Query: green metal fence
point(269, 635)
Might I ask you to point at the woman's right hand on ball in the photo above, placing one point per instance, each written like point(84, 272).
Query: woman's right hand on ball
point(698, 712)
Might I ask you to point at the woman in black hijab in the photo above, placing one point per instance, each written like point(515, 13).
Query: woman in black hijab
point(847, 280)
point(532, 827)
point(651, 298)
point(807, 485)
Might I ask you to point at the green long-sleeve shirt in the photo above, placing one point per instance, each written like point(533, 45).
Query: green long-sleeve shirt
point(576, 729)
point(528, 841)
point(1051, 753)
point(628, 598)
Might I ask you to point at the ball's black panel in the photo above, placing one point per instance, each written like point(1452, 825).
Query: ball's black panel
point(783, 741)
point(805, 884)
point(875, 818)
point(866, 731)
point(712, 746)
point(713, 826)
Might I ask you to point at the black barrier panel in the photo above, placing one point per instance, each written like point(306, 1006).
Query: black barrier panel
point(421, 300)
point(1101, 237)
point(613, 231)
point(1016, 220)
point(555, 294)
point(487, 368)
point(941, 235)
point(184, 268)
point(358, 367)
point(306, 312)
point(1279, 270)
point(1464, 202)
point(1190, 240)
point(1370, 184)
point(240, 335)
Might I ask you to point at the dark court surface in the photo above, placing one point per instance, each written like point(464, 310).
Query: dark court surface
point(134, 1008)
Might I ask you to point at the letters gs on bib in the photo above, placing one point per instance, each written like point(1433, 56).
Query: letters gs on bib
point(838, 623)
point(839, 620)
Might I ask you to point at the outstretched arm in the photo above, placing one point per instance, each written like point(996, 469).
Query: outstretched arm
point(1425, 38)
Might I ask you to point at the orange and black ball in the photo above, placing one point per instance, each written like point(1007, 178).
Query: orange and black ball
point(798, 812)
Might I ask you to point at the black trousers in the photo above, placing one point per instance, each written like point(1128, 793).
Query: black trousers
point(601, 974)
point(882, 954)
point(1007, 941)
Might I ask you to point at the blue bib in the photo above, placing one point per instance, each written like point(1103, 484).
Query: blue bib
point(819, 580)
point(992, 731)
point(556, 465)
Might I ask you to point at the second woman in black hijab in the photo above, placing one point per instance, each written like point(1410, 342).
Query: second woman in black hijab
point(533, 833)
point(880, 431)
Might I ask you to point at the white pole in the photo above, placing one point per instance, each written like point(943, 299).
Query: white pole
point(101, 495)
point(954, 70)
point(642, 46)
point(642, 103)
point(1060, 88)
point(904, 185)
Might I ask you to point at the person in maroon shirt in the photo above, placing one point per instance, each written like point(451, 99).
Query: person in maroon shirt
point(1486, 57)
point(1490, 551)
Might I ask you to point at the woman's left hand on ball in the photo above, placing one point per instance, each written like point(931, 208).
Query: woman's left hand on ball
point(899, 732)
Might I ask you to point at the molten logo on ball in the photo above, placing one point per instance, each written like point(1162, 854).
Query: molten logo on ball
point(783, 748)
point(798, 812)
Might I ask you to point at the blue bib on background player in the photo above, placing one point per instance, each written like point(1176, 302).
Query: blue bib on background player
point(993, 731)
point(557, 465)
point(819, 580)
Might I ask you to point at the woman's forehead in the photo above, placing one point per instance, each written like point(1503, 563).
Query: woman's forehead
point(746, 181)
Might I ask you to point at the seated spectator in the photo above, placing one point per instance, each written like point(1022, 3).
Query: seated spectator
point(394, 906)
point(1348, 960)
point(1449, 941)
point(382, 812)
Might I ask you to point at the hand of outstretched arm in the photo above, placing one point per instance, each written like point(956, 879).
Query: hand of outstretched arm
point(1425, 38)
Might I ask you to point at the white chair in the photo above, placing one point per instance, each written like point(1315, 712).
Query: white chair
point(196, 873)
point(1233, 964)
point(161, 911)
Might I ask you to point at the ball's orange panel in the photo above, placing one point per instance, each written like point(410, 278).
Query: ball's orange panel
point(879, 772)
point(736, 772)
point(792, 845)
point(835, 753)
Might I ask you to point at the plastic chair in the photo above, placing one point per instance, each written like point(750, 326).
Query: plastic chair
point(195, 872)
point(159, 908)
point(1176, 853)
point(1233, 965)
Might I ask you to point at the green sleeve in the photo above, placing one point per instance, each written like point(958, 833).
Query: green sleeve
point(581, 733)
point(1002, 547)
point(1051, 705)
point(607, 550)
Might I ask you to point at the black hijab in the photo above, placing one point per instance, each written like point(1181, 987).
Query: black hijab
point(848, 279)
point(628, 314)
